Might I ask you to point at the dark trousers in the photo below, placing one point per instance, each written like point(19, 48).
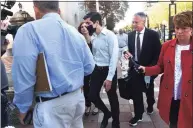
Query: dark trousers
point(137, 86)
point(98, 76)
point(150, 94)
point(137, 97)
point(86, 89)
point(138, 104)
point(174, 110)
point(4, 114)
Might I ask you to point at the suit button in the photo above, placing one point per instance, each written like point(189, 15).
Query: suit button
point(168, 61)
point(166, 87)
point(186, 95)
point(189, 81)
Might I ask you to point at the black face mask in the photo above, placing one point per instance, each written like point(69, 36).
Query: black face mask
point(91, 30)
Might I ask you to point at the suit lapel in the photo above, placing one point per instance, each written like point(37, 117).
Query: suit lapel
point(133, 43)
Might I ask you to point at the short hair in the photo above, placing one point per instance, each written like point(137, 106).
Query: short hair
point(183, 19)
point(142, 15)
point(79, 27)
point(88, 15)
point(94, 16)
point(45, 6)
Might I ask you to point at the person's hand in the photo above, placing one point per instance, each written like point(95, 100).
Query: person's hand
point(107, 84)
point(21, 117)
point(127, 55)
point(142, 68)
point(4, 25)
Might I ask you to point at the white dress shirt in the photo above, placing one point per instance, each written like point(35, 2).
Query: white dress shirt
point(105, 50)
point(141, 35)
point(178, 70)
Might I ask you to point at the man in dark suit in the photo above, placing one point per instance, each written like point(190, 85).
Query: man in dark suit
point(144, 45)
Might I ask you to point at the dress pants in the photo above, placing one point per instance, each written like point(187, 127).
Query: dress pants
point(174, 111)
point(137, 86)
point(150, 93)
point(86, 89)
point(98, 76)
point(63, 112)
point(138, 104)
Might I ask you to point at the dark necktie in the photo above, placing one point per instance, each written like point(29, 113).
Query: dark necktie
point(138, 46)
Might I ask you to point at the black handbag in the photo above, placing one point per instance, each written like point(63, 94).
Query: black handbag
point(124, 88)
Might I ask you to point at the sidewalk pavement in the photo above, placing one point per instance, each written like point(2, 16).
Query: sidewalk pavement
point(126, 112)
point(126, 109)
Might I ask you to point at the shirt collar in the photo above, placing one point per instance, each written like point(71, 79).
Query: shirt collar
point(104, 31)
point(52, 14)
point(142, 32)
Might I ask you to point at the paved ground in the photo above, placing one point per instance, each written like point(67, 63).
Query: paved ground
point(126, 110)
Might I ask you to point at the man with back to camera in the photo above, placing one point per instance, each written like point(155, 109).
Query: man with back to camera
point(68, 59)
point(144, 45)
point(105, 52)
point(4, 79)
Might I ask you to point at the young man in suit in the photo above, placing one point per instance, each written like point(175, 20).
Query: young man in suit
point(144, 45)
point(105, 52)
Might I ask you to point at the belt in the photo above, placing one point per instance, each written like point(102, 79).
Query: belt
point(102, 67)
point(123, 46)
point(43, 99)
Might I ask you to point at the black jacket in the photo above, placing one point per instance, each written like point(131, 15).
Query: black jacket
point(151, 47)
point(149, 55)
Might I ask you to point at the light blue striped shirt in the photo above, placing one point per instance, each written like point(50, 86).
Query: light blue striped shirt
point(67, 55)
point(105, 50)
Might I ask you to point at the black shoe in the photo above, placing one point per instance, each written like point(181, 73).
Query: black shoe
point(115, 124)
point(140, 119)
point(150, 110)
point(133, 122)
point(104, 122)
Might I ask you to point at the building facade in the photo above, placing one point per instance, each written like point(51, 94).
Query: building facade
point(71, 11)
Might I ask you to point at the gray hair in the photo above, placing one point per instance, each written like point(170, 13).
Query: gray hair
point(142, 15)
point(45, 6)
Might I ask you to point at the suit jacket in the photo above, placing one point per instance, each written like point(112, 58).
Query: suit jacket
point(166, 65)
point(151, 47)
point(149, 55)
